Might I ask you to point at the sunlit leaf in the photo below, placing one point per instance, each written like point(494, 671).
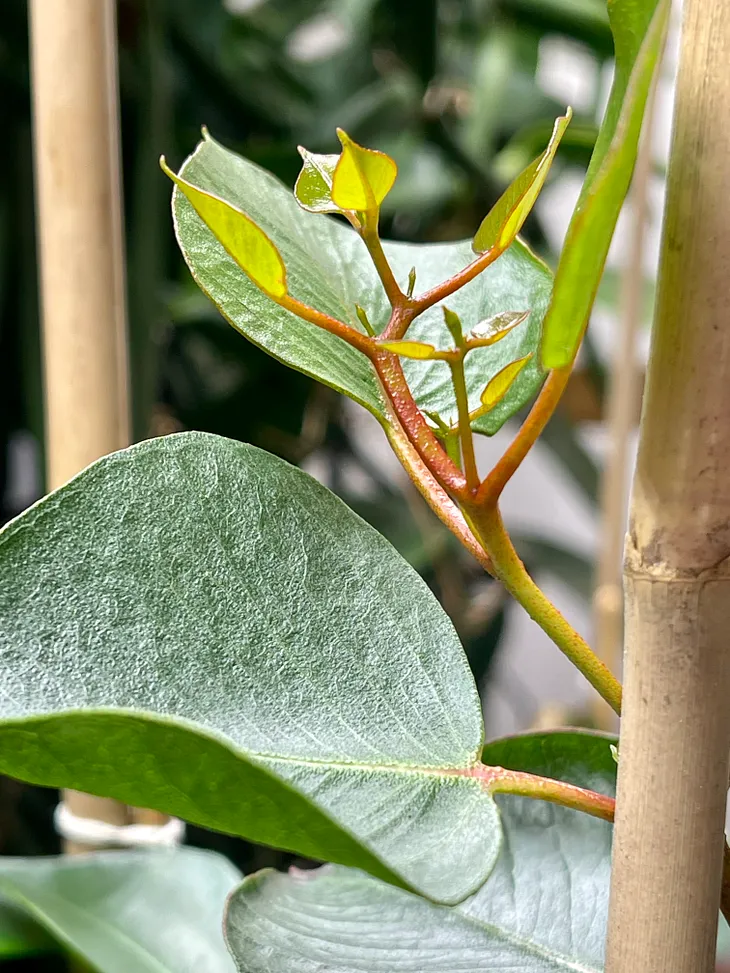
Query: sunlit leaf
point(409, 349)
point(363, 177)
point(500, 384)
point(492, 330)
point(504, 221)
point(313, 188)
point(247, 243)
point(188, 625)
point(639, 30)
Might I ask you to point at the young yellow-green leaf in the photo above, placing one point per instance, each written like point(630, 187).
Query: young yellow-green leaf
point(492, 330)
point(313, 188)
point(363, 177)
point(504, 221)
point(453, 323)
point(499, 386)
point(410, 349)
point(639, 30)
point(247, 243)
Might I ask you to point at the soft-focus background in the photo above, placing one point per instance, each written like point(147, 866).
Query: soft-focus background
point(463, 94)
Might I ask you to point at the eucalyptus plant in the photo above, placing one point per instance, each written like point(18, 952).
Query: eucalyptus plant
point(196, 626)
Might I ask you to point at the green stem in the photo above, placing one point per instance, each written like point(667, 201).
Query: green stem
point(465, 434)
point(375, 248)
point(486, 523)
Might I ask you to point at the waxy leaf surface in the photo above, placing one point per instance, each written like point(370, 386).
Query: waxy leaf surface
point(126, 912)
point(638, 32)
point(329, 268)
point(196, 626)
point(542, 910)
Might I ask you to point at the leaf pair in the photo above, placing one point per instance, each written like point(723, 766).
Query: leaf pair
point(355, 181)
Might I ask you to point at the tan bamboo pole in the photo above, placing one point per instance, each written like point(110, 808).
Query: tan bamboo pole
point(621, 416)
point(675, 736)
point(75, 116)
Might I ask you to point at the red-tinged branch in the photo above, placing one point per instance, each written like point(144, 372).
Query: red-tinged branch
point(432, 453)
point(531, 428)
point(447, 287)
point(435, 496)
point(352, 336)
point(725, 895)
point(487, 526)
point(499, 780)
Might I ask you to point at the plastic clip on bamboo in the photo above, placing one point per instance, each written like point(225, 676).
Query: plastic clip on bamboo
point(73, 46)
point(675, 735)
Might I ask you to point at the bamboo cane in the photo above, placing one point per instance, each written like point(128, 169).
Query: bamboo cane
point(73, 51)
point(675, 738)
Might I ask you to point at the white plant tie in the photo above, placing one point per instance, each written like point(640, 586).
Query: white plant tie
point(89, 831)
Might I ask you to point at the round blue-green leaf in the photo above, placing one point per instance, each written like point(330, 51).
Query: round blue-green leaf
point(194, 625)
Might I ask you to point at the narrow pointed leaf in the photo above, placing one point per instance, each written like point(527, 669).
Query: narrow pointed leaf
point(147, 912)
point(363, 177)
point(196, 626)
point(329, 268)
point(500, 384)
point(543, 909)
point(639, 30)
point(313, 188)
point(247, 243)
point(410, 349)
point(504, 221)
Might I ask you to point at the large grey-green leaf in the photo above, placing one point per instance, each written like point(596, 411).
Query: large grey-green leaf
point(127, 912)
point(195, 625)
point(543, 909)
point(329, 268)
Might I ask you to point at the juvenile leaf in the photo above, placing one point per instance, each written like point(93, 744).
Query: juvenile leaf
point(493, 329)
point(149, 912)
point(410, 349)
point(504, 221)
point(453, 323)
point(639, 30)
point(196, 626)
point(542, 910)
point(363, 177)
point(329, 268)
point(247, 243)
point(499, 386)
point(313, 188)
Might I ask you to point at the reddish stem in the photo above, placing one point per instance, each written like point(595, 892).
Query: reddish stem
point(455, 283)
point(439, 464)
point(352, 336)
point(499, 780)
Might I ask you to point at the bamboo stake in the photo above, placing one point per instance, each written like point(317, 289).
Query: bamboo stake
point(621, 415)
point(73, 50)
point(675, 740)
